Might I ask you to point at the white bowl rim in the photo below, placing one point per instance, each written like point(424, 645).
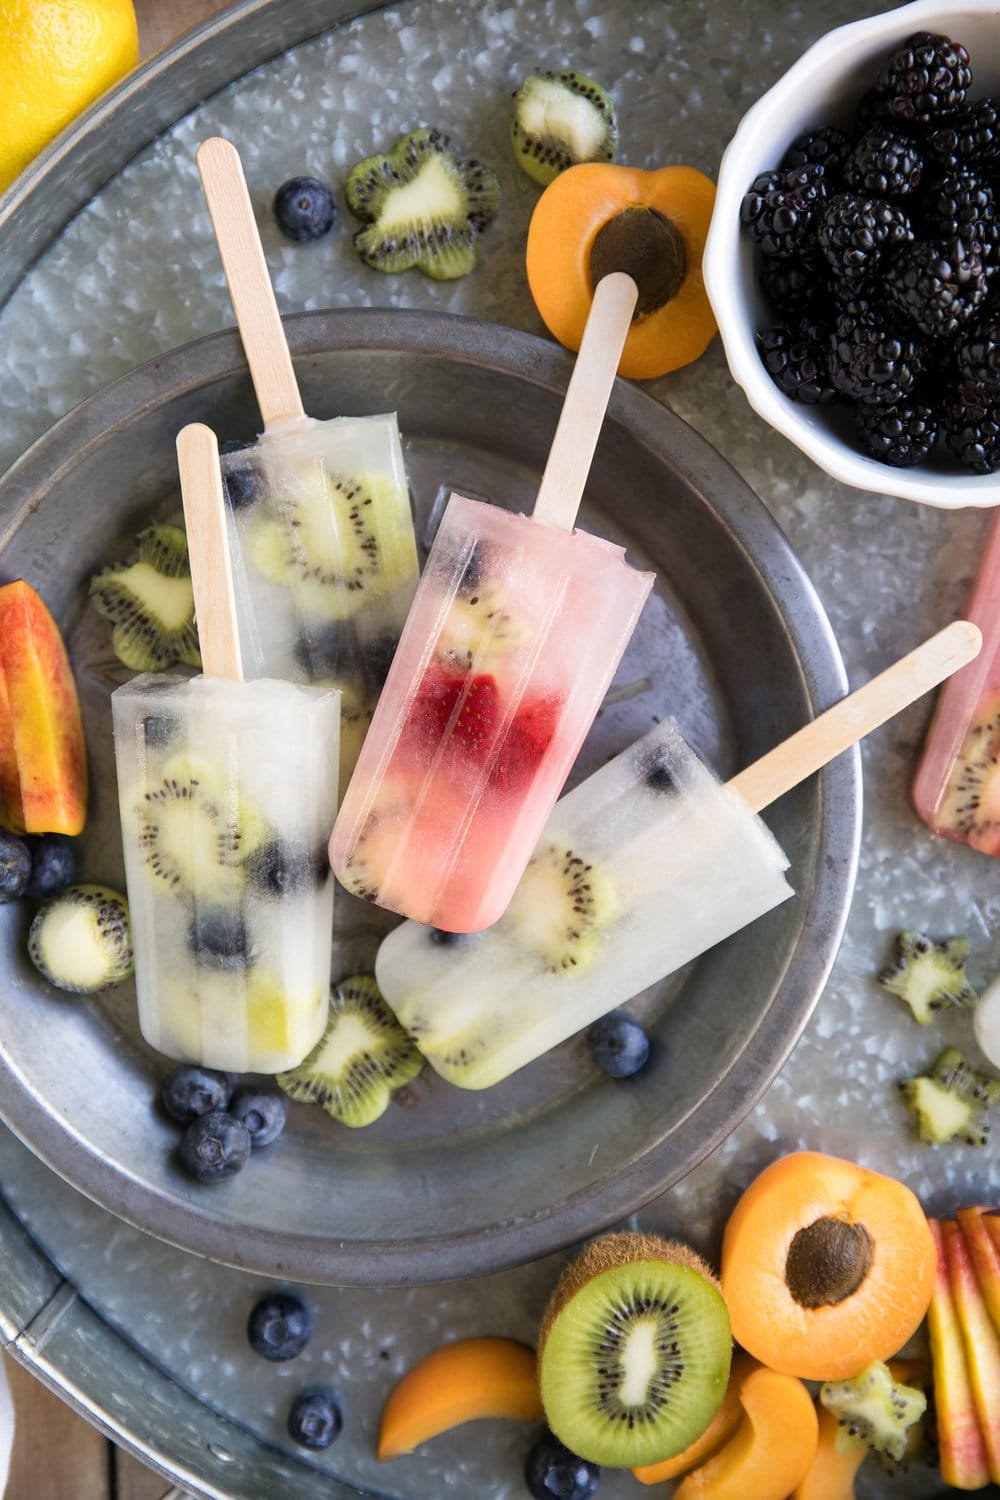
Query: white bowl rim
point(719, 262)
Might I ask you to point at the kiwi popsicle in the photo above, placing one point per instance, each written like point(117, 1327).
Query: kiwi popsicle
point(514, 635)
point(640, 869)
point(321, 531)
point(226, 792)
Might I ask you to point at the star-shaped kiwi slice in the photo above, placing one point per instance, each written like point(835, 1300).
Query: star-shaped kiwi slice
point(929, 975)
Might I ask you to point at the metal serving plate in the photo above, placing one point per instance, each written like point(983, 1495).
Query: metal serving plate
point(734, 644)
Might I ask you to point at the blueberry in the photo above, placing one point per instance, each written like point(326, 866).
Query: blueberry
point(280, 1326)
point(15, 867)
point(242, 483)
point(190, 1092)
point(215, 1146)
point(325, 651)
point(315, 1418)
point(159, 730)
point(552, 1472)
point(449, 939)
point(657, 774)
point(279, 868)
point(263, 1112)
point(304, 208)
point(55, 864)
point(618, 1044)
point(378, 657)
point(218, 939)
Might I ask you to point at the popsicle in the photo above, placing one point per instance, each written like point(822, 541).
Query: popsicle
point(641, 868)
point(226, 792)
point(321, 531)
point(514, 635)
point(957, 786)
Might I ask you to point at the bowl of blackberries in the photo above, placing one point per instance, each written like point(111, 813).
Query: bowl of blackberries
point(853, 260)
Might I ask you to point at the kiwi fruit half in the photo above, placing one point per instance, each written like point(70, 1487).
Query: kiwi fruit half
point(81, 941)
point(149, 600)
point(559, 120)
point(561, 907)
point(363, 1056)
point(634, 1351)
point(423, 205)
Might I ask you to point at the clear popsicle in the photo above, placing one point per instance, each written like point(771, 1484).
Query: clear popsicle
point(641, 868)
point(514, 635)
point(226, 792)
point(321, 530)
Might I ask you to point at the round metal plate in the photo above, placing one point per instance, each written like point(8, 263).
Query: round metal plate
point(734, 644)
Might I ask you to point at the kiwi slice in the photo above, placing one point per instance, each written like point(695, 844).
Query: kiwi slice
point(478, 632)
point(634, 1351)
point(363, 1056)
point(149, 600)
point(560, 908)
point(81, 939)
point(951, 1102)
point(193, 833)
point(875, 1408)
point(424, 206)
point(559, 120)
point(970, 807)
point(929, 975)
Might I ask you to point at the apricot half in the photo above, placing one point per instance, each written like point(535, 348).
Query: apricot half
point(826, 1266)
point(771, 1450)
point(471, 1378)
point(596, 218)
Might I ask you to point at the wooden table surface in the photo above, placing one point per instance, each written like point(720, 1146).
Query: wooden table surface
point(57, 1455)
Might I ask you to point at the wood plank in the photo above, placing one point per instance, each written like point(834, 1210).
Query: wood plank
point(160, 21)
point(56, 1453)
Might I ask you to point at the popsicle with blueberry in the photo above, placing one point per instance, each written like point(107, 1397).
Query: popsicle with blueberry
point(321, 529)
point(516, 630)
point(227, 790)
point(641, 868)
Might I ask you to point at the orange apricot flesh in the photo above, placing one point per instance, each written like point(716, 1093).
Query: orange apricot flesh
point(771, 1450)
point(460, 1382)
point(718, 1431)
point(812, 1332)
point(837, 1459)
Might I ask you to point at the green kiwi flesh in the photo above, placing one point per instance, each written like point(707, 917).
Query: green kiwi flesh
point(875, 1408)
point(424, 206)
point(149, 600)
point(970, 807)
point(951, 1102)
point(560, 908)
point(559, 120)
point(634, 1352)
point(929, 975)
point(363, 1056)
point(81, 941)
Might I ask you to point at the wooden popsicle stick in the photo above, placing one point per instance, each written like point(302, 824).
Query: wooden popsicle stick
point(857, 715)
point(208, 550)
point(587, 397)
point(250, 286)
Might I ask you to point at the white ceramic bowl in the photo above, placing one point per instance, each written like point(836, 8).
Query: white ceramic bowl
point(823, 88)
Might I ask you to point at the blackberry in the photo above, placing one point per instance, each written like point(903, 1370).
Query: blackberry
point(926, 77)
point(961, 203)
point(972, 432)
point(796, 360)
point(854, 232)
point(792, 285)
point(873, 109)
point(886, 162)
point(870, 359)
point(978, 355)
point(780, 209)
point(901, 435)
point(937, 284)
point(969, 137)
point(824, 147)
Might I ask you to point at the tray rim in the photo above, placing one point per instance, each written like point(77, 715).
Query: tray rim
point(515, 1240)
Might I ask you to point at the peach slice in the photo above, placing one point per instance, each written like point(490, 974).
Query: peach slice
point(772, 1449)
point(460, 1382)
point(960, 1442)
point(985, 1256)
point(982, 1343)
point(44, 714)
point(837, 1459)
point(718, 1431)
point(11, 810)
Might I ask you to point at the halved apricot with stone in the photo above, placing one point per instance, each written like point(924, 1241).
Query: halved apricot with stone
point(460, 1382)
point(826, 1266)
point(771, 1450)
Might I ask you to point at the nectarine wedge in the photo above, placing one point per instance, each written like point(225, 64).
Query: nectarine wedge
point(471, 1378)
point(960, 1442)
point(980, 1340)
point(11, 810)
point(771, 1450)
point(718, 1431)
point(985, 1256)
point(835, 1463)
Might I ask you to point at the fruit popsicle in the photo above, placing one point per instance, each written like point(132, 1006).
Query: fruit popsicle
point(226, 792)
point(514, 635)
point(320, 526)
point(641, 868)
point(957, 786)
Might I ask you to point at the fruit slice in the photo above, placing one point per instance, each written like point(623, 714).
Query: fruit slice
point(835, 1463)
point(980, 1340)
point(49, 748)
point(772, 1449)
point(80, 940)
point(561, 908)
point(460, 1382)
point(194, 832)
point(559, 120)
point(634, 1351)
point(149, 600)
point(363, 1056)
point(876, 1408)
point(718, 1431)
point(825, 1266)
point(962, 1453)
point(929, 975)
point(970, 808)
point(985, 1256)
point(951, 1102)
point(11, 807)
point(985, 1021)
point(424, 206)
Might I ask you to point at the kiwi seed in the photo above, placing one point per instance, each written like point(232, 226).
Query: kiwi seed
point(827, 1262)
point(650, 247)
